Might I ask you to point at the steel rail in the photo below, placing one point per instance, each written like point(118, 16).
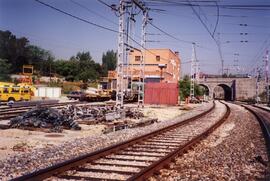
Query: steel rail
point(21, 107)
point(90, 157)
point(147, 172)
point(264, 124)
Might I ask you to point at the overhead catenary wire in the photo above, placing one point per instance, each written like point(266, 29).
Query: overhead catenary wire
point(209, 4)
point(93, 12)
point(184, 41)
point(76, 17)
point(211, 34)
point(94, 24)
point(217, 21)
point(102, 2)
point(175, 38)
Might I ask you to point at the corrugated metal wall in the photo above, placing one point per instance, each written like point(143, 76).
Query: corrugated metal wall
point(161, 93)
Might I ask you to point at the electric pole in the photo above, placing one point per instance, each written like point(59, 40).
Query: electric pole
point(121, 54)
point(130, 42)
point(193, 71)
point(143, 52)
point(236, 66)
point(142, 62)
point(267, 78)
point(257, 86)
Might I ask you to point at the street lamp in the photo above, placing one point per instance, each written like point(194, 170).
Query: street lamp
point(161, 66)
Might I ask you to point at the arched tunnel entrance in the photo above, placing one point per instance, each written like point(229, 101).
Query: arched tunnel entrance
point(222, 91)
point(204, 89)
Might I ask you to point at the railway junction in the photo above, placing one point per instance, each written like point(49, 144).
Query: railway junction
point(207, 141)
point(141, 111)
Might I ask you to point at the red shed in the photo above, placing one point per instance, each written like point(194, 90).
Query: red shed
point(161, 93)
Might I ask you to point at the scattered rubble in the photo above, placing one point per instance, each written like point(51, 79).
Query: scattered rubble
point(107, 113)
point(125, 125)
point(44, 117)
point(56, 120)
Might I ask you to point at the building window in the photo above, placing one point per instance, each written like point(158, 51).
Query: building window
point(137, 58)
point(158, 58)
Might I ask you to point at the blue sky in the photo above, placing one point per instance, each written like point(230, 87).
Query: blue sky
point(65, 36)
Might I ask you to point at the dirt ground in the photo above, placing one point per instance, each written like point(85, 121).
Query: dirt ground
point(17, 140)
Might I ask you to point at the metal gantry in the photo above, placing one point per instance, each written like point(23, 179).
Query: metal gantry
point(125, 39)
point(267, 77)
point(142, 62)
point(257, 99)
point(131, 34)
point(236, 63)
point(194, 71)
point(121, 54)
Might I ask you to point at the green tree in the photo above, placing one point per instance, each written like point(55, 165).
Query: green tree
point(109, 60)
point(13, 49)
point(184, 88)
point(79, 67)
point(4, 70)
point(41, 59)
point(18, 52)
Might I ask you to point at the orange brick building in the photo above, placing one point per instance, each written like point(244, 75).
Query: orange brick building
point(161, 65)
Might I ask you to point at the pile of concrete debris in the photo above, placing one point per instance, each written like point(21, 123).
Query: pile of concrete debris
point(57, 119)
point(44, 117)
point(107, 113)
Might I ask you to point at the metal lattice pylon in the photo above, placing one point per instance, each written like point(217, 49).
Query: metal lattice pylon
point(121, 55)
point(194, 71)
point(267, 77)
point(142, 62)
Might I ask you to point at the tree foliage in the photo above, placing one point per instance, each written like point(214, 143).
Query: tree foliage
point(109, 60)
point(16, 52)
point(79, 67)
point(184, 88)
point(4, 70)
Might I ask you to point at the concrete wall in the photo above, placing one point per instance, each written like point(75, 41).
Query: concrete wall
point(242, 88)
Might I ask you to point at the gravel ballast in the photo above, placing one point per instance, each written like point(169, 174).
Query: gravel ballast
point(229, 153)
point(43, 157)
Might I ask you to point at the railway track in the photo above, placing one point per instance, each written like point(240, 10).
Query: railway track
point(263, 116)
point(7, 113)
point(138, 158)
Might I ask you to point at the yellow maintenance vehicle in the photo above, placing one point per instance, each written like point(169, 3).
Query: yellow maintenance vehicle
point(22, 91)
point(11, 92)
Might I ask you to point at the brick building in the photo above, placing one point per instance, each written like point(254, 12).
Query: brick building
point(161, 65)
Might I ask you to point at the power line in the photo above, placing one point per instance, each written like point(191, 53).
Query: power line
point(212, 36)
point(206, 4)
point(76, 17)
point(94, 24)
point(189, 42)
point(217, 19)
point(102, 2)
point(93, 12)
point(179, 40)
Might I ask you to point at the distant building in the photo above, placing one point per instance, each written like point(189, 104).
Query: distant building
point(161, 65)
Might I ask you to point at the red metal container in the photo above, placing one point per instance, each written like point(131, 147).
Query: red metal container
point(161, 93)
